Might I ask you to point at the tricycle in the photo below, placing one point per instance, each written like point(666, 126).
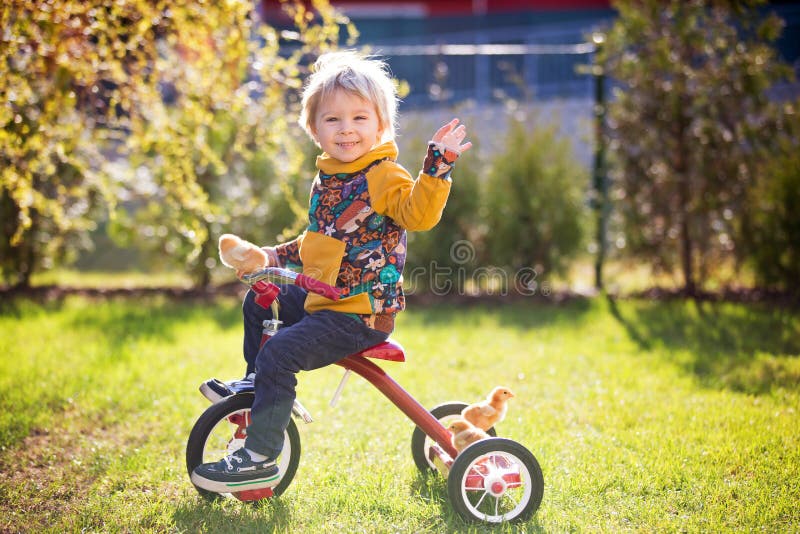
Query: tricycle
point(492, 480)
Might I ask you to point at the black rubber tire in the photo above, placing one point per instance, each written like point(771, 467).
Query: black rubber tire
point(529, 498)
point(420, 443)
point(218, 412)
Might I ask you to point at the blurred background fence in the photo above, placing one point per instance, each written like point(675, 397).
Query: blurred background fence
point(491, 67)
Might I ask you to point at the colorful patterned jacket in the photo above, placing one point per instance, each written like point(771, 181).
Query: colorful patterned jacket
point(356, 237)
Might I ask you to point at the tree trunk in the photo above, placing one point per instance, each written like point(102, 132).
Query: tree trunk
point(686, 243)
point(24, 255)
point(683, 176)
point(201, 273)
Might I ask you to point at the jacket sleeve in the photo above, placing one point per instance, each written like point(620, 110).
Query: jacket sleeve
point(415, 205)
point(289, 252)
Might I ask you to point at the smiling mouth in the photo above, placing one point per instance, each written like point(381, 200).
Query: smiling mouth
point(349, 144)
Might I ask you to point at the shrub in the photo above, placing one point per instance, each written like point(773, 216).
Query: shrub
point(535, 201)
point(771, 235)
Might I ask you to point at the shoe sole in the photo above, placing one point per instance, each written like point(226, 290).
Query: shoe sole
point(232, 487)
point(210, 394)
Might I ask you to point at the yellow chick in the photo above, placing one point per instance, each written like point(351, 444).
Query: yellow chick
point(242, 255)
point(464, 433)
point(486, 413)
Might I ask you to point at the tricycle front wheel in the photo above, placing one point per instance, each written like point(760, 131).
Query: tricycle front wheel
point(495, 480)
point(220, 430)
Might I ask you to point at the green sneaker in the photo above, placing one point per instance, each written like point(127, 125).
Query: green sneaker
point(236, 472)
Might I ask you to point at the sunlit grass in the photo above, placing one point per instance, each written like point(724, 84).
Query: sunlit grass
point(644, 416)
point(107, 280)
point(79, 279)
point(624, 277)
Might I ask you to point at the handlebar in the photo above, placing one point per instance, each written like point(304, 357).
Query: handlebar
point(280, 275)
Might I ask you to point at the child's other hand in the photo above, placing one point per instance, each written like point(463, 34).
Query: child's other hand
point(444, 149)
point(451, 136)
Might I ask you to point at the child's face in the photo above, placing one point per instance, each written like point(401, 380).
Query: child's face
point(346, 126)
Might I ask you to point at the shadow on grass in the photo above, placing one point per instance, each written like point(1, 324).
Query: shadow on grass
point(231, 515)
point(432, 487)
point(745, 347)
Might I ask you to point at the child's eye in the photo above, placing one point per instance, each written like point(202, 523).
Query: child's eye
point(361, 118)
point(331, 119)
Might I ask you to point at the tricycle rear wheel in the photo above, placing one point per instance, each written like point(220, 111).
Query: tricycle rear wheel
point(421, 443)
point(495, 480)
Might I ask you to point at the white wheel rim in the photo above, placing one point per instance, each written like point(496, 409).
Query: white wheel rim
point(479, 500)
point(426, 447)
point(213, 453)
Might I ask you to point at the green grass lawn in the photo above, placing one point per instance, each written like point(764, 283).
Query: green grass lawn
point(644, 417)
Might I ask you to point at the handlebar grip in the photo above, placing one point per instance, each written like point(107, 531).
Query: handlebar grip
point(266, 293)
point(315, 286)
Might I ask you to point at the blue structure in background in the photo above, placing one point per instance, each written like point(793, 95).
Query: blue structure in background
point(523, 53)
point(519, 49)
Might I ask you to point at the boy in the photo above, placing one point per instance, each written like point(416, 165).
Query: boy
point(362, 202)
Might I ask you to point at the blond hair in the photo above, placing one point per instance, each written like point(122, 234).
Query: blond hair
point(364, 76)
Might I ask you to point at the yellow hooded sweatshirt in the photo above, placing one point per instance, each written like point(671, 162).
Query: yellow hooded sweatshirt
point(356, 237)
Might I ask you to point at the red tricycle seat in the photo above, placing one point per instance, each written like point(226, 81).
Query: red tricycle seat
point(388, 350)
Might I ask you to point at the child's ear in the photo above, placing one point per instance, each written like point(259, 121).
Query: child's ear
point(312, 131)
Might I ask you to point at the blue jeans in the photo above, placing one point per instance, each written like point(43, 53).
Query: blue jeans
point(305, 342)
